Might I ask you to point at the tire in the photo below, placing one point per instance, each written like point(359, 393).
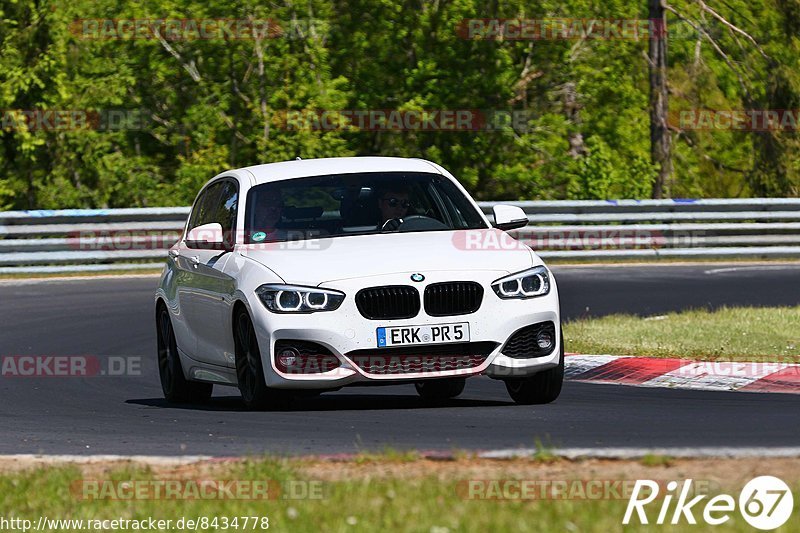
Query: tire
point(540, 388)
point(439, 390)
point(250, 371)
point(175, 386)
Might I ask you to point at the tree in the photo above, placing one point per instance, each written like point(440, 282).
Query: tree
point(660, 140)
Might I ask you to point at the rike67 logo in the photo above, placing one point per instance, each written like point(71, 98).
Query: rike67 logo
point(765, 503)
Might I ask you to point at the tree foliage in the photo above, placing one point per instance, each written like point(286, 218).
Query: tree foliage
point(198, 106)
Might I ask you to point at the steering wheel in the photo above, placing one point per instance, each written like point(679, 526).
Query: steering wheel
point(417, 218)
point(413, 223)
point(392, 224)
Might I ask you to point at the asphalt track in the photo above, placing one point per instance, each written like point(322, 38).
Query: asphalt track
point(113, 317)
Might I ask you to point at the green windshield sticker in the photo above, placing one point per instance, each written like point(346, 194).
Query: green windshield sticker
point(259, 236)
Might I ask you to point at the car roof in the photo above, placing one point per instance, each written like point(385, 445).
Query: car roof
point(336, 165)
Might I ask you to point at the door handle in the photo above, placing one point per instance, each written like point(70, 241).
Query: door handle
point(195, 260)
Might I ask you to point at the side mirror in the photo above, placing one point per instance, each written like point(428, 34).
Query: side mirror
point(508, 217)
point(207, 237)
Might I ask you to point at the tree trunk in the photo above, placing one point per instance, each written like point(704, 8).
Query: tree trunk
point(660, 142)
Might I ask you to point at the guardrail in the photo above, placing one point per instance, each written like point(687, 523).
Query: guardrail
point(113, 239)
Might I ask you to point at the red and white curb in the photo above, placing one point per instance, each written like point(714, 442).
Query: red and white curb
point(684, 373)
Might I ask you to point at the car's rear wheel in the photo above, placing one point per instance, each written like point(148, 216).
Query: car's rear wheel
point(250, 370)
point(437, 390)
point(175, 386)
point(540, 388)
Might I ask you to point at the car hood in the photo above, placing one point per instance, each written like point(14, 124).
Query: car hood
point(324, 260)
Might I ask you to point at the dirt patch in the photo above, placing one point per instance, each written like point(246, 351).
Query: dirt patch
point(162, 468)
point(724, 473)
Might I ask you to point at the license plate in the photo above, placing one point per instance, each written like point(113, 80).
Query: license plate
point(429, 334)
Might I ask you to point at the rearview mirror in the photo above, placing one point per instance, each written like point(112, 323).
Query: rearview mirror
point(508, 217)
point(206, 237)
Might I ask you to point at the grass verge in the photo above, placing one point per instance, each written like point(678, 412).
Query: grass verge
point(736, 334)
point(418, 495)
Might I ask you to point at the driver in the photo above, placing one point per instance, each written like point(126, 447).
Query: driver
point(394, 204)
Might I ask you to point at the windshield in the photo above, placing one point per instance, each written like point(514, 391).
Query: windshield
point(356, 204)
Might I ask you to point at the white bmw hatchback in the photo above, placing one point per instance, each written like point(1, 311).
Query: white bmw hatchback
point(308, 276)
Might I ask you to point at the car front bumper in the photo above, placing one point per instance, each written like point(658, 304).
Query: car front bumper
point(345, 330)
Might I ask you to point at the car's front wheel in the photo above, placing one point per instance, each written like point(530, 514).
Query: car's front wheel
point(250, 370)
point(437, 390)
point(540, 388)
point(175, 386)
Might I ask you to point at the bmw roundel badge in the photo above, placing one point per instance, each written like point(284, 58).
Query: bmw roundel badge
point(417, 277)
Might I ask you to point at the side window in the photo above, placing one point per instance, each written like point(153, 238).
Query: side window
point(205, 209)
point(194, 215)
point(225, 209)
point(218, 203)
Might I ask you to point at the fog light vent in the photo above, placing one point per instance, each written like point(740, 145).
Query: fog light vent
point(536, 340)
point(303, 357)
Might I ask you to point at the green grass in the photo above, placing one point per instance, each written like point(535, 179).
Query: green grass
point(390, 455)
point(656, 460)
point(359, 503)
point(737, 334)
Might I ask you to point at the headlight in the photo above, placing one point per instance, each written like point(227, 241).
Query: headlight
point(297, 299)
point(526, 284)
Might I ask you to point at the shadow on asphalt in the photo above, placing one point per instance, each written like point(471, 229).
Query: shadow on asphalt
point(344, 402)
